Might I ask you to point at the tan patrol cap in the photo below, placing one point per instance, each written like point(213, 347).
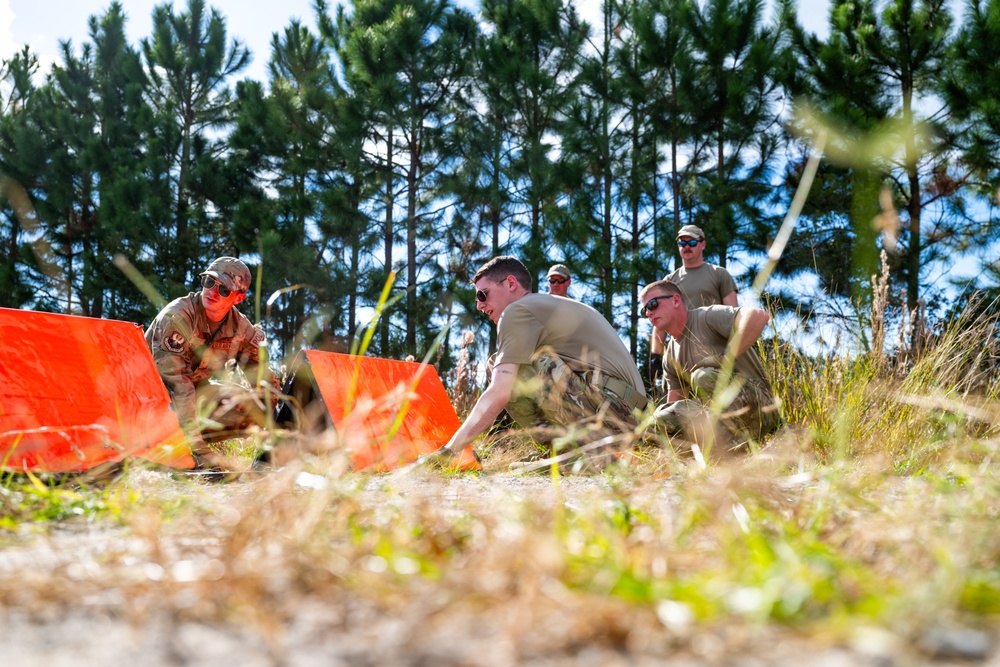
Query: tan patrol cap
point(231, 272)
point(691, 230)
point(558, 270)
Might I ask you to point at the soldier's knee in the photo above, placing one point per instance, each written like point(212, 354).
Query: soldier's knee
point(703, 380)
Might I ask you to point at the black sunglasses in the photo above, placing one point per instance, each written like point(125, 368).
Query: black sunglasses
point(653, 304)
point(553, 280)
point(208, 282)
point(689, 243)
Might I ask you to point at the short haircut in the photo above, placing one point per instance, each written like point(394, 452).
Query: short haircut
point(667, 287)
point(498, 268)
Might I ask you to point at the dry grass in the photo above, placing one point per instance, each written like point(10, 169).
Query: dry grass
point(868, 523)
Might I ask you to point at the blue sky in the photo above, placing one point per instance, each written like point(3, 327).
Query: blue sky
point(43, 23)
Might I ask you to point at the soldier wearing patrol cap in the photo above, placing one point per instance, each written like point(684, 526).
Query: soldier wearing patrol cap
point(193, 339)
point(559, 280)
point(559, 364)
point(702, 284)
point(700, 338)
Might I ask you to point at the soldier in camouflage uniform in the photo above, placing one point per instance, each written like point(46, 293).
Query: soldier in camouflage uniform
point(194, 339)
point(692, 365)
point(558, 363)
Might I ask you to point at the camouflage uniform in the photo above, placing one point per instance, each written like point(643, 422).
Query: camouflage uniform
point(189, 348)
point(549, 393)
point(753, 413)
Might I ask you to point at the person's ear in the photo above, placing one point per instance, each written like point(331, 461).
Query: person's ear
point(241, 298)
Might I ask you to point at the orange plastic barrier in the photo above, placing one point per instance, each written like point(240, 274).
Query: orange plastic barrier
point(385, 412)
point(77, 391)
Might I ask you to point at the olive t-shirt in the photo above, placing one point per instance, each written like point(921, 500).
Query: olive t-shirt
point(703, 343)
point(578, 334)
point(704, 285)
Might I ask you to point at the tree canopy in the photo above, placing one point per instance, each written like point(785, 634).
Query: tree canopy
point(411, 141)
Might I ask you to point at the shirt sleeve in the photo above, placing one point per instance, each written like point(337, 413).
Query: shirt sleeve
point(251, 337)
point(721, 320)
point(248, 357)
point(726, 284)
point(518, 333)
point(170, 345)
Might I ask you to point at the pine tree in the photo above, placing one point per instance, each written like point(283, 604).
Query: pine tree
point(864, 83)
point(662, 29)
point(971, 88)
point(541, 41)
point(734, 89)
point(20, 160)
point(190, 62)
point(836, 81)
point(909, 46)
point(422, 48)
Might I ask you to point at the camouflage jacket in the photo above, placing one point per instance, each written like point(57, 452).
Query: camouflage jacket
point(189, 348)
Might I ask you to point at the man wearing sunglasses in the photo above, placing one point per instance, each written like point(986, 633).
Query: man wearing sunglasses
point(559, 280)
point(693, 362)
point(192, 340)
point(701, 283)
point(558, 363)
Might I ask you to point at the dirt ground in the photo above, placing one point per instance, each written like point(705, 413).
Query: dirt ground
point(57, 608)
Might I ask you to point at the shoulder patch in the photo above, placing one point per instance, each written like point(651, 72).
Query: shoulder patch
point(174, 342)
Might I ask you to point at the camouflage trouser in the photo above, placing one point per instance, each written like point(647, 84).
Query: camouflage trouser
point(752, 414)
point(549, 393)
point(230, 409)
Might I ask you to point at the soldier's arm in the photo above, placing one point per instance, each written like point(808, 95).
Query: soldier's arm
point(173, 356)
point(731, 300)
point(490, 403)
point(656, 342)
point(675, 395)
point(249, 356)
point(672, 383)
point(747, 328)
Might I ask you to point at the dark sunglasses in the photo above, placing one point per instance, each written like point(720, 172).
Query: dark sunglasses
point(481, 294)
point(208, 282)
point(557, 281)
point(689, 243)
point(652, 304)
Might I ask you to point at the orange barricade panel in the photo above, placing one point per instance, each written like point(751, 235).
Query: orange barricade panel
point(78, 391)
point(385, 412)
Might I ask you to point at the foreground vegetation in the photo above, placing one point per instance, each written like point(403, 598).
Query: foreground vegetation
point(869, 521)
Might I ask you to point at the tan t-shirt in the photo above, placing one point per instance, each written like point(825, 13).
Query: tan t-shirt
point(704, 338)
point(705, 285)
point(578, 334)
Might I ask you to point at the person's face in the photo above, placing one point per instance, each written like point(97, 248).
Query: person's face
point(659, 308)
point(691, 255)
point(493, 297)
point(558, 285)
point(216, 305)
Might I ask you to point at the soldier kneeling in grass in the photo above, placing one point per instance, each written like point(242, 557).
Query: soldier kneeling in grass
point(195, 339)
point(558, 363)
point(692, 365)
